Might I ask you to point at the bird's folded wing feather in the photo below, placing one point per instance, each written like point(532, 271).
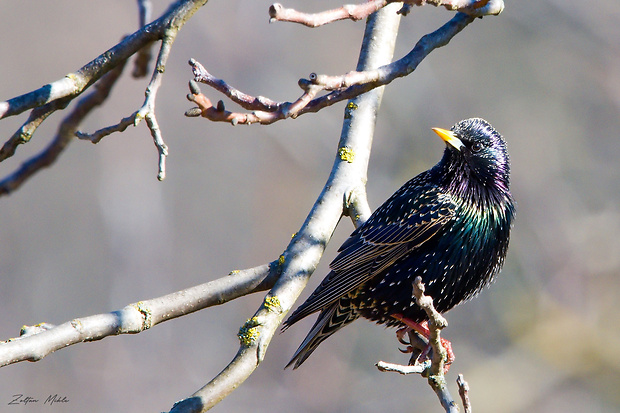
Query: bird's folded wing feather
point(379, 243)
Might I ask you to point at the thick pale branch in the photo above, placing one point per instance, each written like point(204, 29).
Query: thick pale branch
point(303, 254)
point(139, 316)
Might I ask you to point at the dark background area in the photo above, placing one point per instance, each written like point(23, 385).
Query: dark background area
point(97, 230)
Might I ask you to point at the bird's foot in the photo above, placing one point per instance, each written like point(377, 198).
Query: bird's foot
point(418, 343)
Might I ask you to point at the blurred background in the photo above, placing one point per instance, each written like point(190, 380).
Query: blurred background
point(97, 231)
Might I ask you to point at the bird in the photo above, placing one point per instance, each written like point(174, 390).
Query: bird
point(449, 225)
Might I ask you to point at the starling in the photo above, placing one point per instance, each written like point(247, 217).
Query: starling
point(449, 225)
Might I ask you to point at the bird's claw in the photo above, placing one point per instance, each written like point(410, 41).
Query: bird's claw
point(418, 343)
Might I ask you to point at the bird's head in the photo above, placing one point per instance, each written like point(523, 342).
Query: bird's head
point(475, 151)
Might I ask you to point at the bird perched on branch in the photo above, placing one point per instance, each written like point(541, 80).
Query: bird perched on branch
point(449, 225)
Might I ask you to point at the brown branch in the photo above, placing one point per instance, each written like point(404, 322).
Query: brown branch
point(266, 111)
point(476, 8)
point(277, 12)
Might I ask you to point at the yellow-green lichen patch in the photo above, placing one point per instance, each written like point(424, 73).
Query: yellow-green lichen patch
point(346, 154)
point(272, 303)
point(349, 110)
point(281, 259)
point(249, 333)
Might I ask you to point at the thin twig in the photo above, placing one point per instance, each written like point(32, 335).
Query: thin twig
point(96, 136)
point(464, 393)
point(143, 57)
point(435, 370)
point(402, 369)
point(147, 111)
point(354, 12)
point(436, 322)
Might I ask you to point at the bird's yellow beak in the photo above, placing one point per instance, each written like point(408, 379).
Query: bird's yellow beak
point(449, 137)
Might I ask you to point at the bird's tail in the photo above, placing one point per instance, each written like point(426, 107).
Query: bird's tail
point(330, 320)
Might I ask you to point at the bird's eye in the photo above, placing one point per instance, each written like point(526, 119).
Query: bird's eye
point(476, 147)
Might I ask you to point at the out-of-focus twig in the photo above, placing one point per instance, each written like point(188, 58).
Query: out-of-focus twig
point(143, 57)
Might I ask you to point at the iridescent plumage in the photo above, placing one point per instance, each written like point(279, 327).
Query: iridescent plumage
point(449, 225)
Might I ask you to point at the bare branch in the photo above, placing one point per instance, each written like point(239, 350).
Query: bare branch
point(96, 136)
point(277, 12)
point(464, 392)
point(341, 87)
point(38, 342)
point(356, 205)
point(404, 370)
point(147, 111)
point(303, 254)
point(434, 370)
point(66, 131)
point(61, 92)
point(476, 8)
point(36, 118)
point(436, 322)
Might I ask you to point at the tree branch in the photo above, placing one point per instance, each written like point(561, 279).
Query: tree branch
point(303, 253)
point(347, 86)
point(65, 134)
point(137, 317)
point(464, 392)
point(57, 95)
point(475, 8)
point(434, 371)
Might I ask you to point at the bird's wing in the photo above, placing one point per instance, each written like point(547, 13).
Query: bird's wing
point(400, 225)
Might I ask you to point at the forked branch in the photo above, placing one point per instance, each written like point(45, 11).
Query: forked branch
point(335, 88)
